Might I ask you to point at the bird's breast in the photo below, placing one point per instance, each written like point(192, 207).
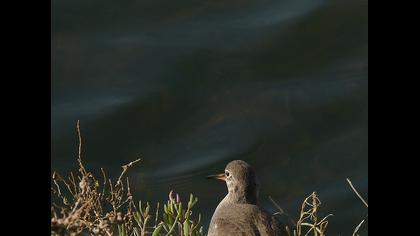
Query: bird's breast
point(233, 220)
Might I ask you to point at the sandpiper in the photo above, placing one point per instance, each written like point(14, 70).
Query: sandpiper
point(239, 214)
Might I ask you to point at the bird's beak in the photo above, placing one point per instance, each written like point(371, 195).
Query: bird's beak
point(220, 177)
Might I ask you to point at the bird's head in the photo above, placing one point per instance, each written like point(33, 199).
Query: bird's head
point(241, 181)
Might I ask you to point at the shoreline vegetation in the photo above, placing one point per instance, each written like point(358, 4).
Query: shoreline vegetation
point(83, 204)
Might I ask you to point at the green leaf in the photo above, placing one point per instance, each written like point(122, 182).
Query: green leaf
point(124, 233)
point(165, 219)
point(179, 211)
point(121, 230)
point(156, 232)
point(198, 222)
point(186, 227)
point(171, 207)
point(165, 208)
point(140, 209)
point(147, 209)
point(138, 218)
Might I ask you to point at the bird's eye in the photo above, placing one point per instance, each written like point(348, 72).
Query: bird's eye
point(227, 173)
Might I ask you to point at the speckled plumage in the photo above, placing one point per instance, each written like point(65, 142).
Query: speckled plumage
point(239, 214)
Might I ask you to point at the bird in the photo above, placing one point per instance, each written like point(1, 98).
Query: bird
point(239, 213)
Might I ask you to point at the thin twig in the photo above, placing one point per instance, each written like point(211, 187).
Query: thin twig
point(104, 177)
point(357, 228)
point(157, 213)
point(79, 159)
point(275, 204)
point(281, 211)
point(357, 193)
point(125, 169)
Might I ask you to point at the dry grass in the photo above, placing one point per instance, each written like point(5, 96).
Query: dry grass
point(83, 204)
point(309, 223)
point(309, 219)
point(364, 202)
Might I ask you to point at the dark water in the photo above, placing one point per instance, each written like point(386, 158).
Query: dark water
point(191, 85)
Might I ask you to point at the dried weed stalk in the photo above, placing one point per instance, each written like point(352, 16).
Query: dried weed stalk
point(83, 205)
